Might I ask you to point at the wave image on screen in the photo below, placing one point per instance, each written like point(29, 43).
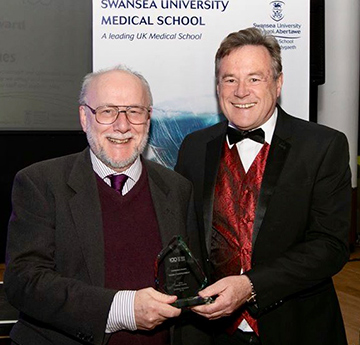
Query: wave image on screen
point(169, 128)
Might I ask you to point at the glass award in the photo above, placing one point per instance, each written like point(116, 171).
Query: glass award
point(177, 272)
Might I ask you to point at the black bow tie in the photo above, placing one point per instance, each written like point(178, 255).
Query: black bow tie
point(236, 135)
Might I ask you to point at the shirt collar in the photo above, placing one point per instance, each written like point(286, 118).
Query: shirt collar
point(134, 171)
point(268, 127)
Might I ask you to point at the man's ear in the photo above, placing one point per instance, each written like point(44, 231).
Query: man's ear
point(82, 117)
point(279, 84)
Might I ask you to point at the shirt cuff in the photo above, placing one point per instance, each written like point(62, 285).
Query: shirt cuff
point(122, 314)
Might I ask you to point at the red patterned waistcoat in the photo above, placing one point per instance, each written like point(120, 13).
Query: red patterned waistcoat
point(236, 196)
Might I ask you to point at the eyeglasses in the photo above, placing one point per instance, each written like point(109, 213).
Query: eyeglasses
point(108, 114)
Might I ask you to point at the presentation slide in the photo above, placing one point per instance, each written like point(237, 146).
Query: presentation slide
point(173, 44)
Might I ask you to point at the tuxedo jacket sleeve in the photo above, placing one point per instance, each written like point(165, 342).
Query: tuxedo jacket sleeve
point(55, 252)
point(302, 221)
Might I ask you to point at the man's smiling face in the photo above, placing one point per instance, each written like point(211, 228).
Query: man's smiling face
point(246, 88)
point(119, 144)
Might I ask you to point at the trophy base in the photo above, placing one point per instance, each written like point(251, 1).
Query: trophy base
point(191, 301)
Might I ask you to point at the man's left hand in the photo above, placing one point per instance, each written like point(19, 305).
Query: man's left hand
point(232, 292)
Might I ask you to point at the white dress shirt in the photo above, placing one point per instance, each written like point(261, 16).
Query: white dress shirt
point(248, 150)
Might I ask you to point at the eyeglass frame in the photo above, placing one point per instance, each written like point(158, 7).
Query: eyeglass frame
point(127, 107)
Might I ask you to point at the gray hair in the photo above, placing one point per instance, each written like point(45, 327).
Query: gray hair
point(250, 36)
point(91, 76)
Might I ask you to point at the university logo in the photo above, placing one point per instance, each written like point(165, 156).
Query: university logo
point(277, 10)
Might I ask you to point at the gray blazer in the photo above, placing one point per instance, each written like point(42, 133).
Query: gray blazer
point(55, 251)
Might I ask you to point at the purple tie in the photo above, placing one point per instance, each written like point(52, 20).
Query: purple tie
point(118, 181)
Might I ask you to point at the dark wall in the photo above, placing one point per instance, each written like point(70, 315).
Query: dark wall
point(317, 53)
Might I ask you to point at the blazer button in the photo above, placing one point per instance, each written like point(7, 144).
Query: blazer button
point(80, 335)
point(89, 338)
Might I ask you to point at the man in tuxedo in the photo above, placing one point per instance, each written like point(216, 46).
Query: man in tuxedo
point(272, 195)
point(86, 229)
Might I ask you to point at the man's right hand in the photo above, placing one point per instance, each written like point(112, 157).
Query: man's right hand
point(152, 308)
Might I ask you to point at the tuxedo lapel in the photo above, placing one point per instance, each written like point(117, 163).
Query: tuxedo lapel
point(212, 161)
point(86, 212)
point(278, 153)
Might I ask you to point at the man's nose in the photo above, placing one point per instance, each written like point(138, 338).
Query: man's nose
point(122, 124)
point(242, 89)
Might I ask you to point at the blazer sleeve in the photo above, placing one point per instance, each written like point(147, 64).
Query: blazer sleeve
point(34, 281)
point(319, 227)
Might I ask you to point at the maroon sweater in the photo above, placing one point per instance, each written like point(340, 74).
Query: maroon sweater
point(131, 242)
